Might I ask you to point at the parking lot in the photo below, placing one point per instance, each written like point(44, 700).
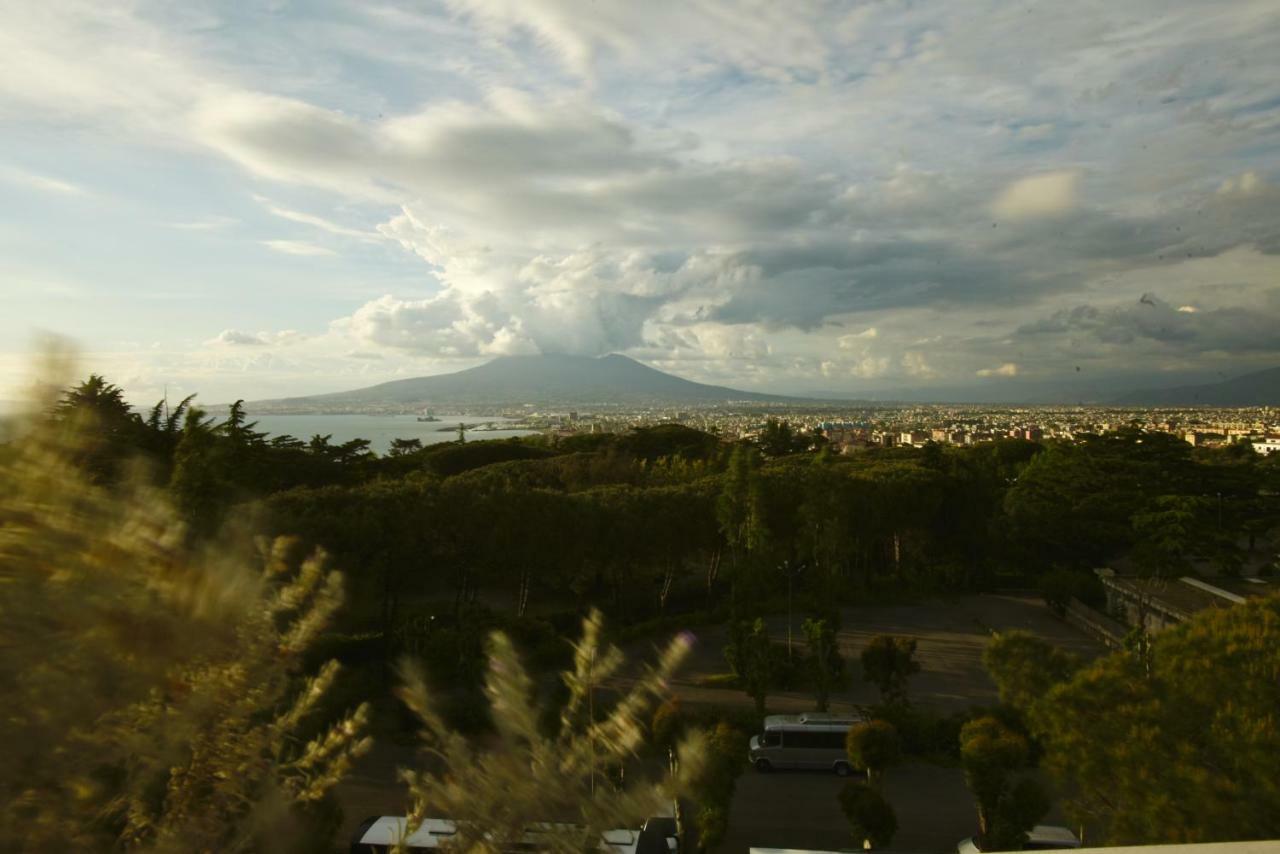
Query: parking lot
point(951, 635)
point(934, 807)
point(798, 809)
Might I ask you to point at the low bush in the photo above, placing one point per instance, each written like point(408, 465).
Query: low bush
point(924, 733)
point(1060, 586)
point(726, 760)
point(871, 817)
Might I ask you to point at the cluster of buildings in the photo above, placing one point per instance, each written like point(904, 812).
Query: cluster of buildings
point(1263, 434)
point(853, 428)
point(849, 439)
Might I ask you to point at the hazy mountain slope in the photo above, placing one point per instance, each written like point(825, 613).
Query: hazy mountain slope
point(1261, 388)
point(513, 380)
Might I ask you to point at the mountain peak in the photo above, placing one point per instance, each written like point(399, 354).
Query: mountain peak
point(542, 379)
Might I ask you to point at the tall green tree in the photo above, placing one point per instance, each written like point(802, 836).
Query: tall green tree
point(1008, 805)
point(826, 664)
point(164, 430)
point(404, 447)
point(107, 431)
point(740, 510)
point(888, 662)
point(199, 484)
point(1168, 533)
point(753, 659)
point(1025, 667)
point(777, 439)
point(873, 746)
point(1179, 746)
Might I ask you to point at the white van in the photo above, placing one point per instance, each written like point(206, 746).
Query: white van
point(814, 740)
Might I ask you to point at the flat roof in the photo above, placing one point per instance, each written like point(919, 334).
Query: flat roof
point(1189, 595)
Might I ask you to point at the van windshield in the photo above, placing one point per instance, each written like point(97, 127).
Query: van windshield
point(771, 739)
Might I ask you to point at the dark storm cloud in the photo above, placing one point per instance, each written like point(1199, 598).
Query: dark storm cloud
point(806, 286)
point(1153, 322)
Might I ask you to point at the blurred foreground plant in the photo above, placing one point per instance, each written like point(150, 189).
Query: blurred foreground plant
point(498, 794)
point(149, 695)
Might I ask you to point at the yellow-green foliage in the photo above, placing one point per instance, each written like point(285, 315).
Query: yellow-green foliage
point(498, 793)
point(1183, 748)
point(148, 695)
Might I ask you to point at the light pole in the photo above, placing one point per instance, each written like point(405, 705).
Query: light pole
point(791, 573)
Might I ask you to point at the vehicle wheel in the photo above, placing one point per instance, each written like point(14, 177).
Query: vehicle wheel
point(843, 769)
point(763, 766)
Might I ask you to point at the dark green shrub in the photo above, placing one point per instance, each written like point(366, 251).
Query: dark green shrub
point(1060, 586)
point(871, 817)
point(923, 732)
point(873, 746)
point(713, 822)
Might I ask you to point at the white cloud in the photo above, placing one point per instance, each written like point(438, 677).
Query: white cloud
point(1246, 184)
point(869, 367)
point(916, 365)
point(704, 181)
point(236, 338)
point(296, 247)
point(757, 37)
point(208, 223)
point(1039, 195)
point(316, 221)
point(1008, 369)
point(44, 183)
point(857, 340)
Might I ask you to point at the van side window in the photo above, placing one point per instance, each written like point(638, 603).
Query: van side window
point(804, 739)
point(771, 739)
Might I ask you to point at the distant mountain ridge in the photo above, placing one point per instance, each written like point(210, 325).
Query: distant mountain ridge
point(1260, 388)
point(542, 379)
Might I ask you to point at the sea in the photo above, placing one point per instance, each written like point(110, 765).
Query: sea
point(381, 429)
point(378, 429)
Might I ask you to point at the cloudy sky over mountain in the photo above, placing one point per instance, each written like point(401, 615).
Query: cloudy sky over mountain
point(263, 198)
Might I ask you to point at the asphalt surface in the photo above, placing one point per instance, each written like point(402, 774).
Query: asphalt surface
point(799, 809)
point(951, 635)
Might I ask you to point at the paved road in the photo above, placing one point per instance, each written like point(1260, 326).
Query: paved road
point(951, 635)
point(800, 810)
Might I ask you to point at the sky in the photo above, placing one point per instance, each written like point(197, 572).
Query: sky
point(259, 199)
